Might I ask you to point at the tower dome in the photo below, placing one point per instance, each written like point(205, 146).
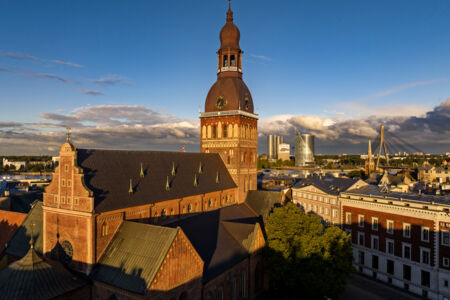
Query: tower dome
point(229, 92)
point(229, 34)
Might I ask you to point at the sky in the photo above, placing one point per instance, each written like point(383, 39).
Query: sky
point(134, 74)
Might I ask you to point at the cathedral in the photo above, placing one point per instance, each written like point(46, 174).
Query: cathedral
point(117, 224)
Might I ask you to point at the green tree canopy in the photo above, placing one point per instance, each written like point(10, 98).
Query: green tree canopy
point(306, 259)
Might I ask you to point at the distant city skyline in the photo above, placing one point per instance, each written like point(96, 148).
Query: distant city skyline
point(135, 75)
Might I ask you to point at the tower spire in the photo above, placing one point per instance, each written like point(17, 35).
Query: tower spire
point(229, 13)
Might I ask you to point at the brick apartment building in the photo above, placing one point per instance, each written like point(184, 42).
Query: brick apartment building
point(400, 238)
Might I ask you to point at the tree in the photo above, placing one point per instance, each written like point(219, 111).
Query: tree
point(304, 258)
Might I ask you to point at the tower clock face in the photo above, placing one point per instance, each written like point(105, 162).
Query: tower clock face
point(221, 102)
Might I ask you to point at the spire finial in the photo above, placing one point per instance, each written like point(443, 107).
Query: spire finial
point(229, 13)
point(130, 190)
point(31, 238)
point(68, 133)
point(142, 171)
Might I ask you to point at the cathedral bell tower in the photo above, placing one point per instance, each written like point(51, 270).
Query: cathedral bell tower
point(229, 124)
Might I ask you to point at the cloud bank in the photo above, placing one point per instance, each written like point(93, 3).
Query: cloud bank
point(140, 127)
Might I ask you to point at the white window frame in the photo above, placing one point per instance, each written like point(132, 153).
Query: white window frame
point(422, 250)
point(404, 230)
point(422, 230)
point(403, 251)
point(321, 209)
point(442, 237)
point(387, 246)
point(387, 226)
point(375, 222)
point(327, 200)
point(327, 211)
point(363, 238)
point(348, 217)
point(359, 221)
point(446, 262)
point(321, 199)
point(334, 201)
point(373, 238)
point(334, 213)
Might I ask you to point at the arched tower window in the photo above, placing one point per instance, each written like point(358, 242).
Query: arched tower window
point(225, 60)
point(225, 131)
point(214, 131)
point(104, 229)
point(230, 130)
point(232, 60)
point(204, 131)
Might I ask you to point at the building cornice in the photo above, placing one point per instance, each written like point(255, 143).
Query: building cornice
point(228, 113)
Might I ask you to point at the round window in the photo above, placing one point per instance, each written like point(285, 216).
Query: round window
point(67, 251)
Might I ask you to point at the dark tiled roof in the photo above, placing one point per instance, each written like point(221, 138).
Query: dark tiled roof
point(134, 256)
point(262, 202)
point(328, 184)
point(221, 237)
point(373, 190)
point(33, 278)
point(9, 223)
point(20, 242)
point(108, 173)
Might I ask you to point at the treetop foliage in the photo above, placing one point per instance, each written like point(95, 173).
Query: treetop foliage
point(306, 259)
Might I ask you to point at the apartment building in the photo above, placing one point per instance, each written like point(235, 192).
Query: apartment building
point(320, 195)
point(402, 239)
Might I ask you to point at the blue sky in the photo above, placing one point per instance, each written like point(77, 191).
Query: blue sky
point(308, 64)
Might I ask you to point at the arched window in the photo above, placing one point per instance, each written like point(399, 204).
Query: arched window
point(219, 293)
point(214, 131)
point(104, 229)
point(225, 60)
point(232, 61)
point(163, 213)
point(230, 130)
point(259, 276)
point(209, 203)
point(243, 292)
point(189, 208)
point(228, 160)
point(204, 132)
point(225, 131)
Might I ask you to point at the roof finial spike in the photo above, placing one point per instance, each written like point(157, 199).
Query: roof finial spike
point(173, 169)
point(31, 238)
point(195, 179)
point(167, 184)
point(142, 174)
point(200, 168)
point(217, 177)
point(130, 190)
point(68, 133)
point(229, 13)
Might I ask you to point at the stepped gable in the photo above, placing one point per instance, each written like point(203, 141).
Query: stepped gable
point(33, 278)
point(108, 172)
point(222, 237)
point(31, 225)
